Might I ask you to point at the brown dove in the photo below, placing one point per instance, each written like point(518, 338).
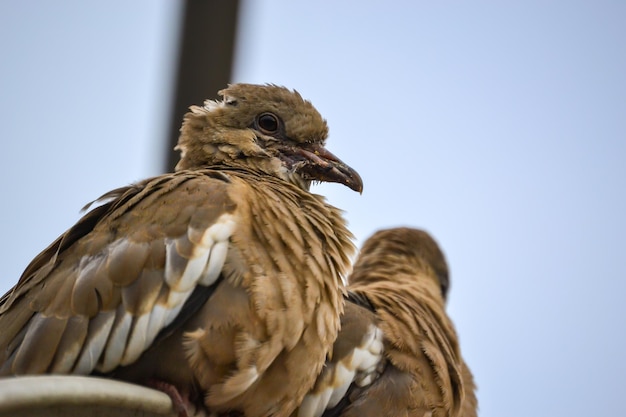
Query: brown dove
point(220, 283)
point(397, 353)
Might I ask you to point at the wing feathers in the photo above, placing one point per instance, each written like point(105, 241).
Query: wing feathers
point(138, 341)
point(399, 278)
point(357, 357)
point(99, 295)
point(90, 293)
point(126, 260)
point(215, 263)
point(140, 297)
point(43, 331)
point(70, 345)
point(117, 342)
point(99, 330)
point(182, 273)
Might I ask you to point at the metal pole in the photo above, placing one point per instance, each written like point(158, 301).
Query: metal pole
point(205, 60)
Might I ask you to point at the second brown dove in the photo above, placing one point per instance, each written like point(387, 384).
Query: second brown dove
point(397, 354)
point(220, 283)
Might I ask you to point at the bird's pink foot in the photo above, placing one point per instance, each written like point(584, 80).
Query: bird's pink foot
point(181, 403)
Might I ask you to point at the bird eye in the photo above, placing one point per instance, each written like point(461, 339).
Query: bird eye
point(267, 123)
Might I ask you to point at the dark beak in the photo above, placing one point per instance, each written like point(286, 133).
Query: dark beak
point(321, 165)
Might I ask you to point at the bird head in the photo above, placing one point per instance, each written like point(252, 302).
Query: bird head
point(265, 128)
point(404, 249)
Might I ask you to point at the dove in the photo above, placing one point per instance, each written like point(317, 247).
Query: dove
point(220, 284)
point(397, 353)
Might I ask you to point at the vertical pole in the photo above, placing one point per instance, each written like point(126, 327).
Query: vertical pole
point(205, 60)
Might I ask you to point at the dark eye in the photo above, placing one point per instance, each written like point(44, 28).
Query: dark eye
point(267, 123)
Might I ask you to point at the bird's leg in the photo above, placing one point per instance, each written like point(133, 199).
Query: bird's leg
point(181, 403)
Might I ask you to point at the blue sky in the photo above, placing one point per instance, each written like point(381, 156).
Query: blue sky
point(499, 127)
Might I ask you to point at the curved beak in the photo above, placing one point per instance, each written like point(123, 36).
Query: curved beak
point(321, 165)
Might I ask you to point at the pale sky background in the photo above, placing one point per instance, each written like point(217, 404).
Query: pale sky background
point(500, 127)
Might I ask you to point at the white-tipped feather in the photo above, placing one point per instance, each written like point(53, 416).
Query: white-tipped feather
point(63, 362)
point(342, 378)
point(363, 360)
point(193, 271)
point(99, 330)
point(200, 237)
point(359, 367)
point(376, 346)
point(308, 406)
point(368, 355)
point(207, 259)
point(117, 342)
point(215, 264)
point(175, 303)
point(155, 323)
point(314, 405)
point(223, 228)
point(174, 263)
point(365, 379)
point(137, 342)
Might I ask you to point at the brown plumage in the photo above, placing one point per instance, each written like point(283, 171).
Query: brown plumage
point(223, 279)
point(408, 361)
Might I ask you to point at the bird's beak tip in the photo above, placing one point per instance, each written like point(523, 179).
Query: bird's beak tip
point(357, 183)
point(323, 166)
